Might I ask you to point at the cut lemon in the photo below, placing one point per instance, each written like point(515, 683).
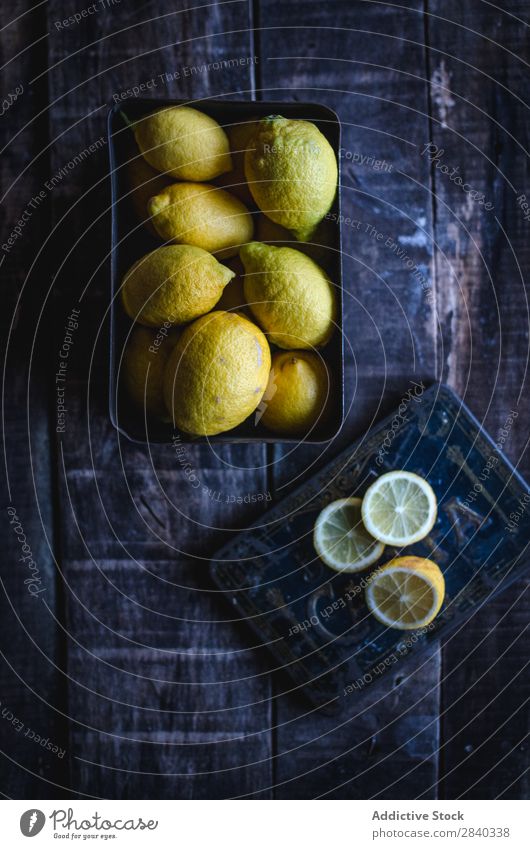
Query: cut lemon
point(399, 508)
point(341, 540)
point(407, 593)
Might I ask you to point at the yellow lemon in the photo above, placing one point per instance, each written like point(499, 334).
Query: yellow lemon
point(175, 284)
point(289, 294)
point(204, 216)
point(184, 143)
point(233, 297)
point(292, 173)
point(317, 249)
point(296, 394)
point(407, 593)
point(216, 374)
point(235, 180)
point(144, 182)
point(142, 369)
point(272, 233)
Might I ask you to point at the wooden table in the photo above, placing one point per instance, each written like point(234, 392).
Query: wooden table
point(127, 661)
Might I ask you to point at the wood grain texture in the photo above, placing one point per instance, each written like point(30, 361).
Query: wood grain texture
point(165, 701)
point(163, 695)
point(31, 688)
point(478, 57)
point(368, 65)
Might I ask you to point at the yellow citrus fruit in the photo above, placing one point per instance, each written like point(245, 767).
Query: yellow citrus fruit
point(317, 249)
point(272, 233)
point(406, 593)
point(292, 173)
point(144, 182)
point(233, 297)
point(235, 180)
point(184, 143)
point(241, 135)
point(296, 394)
point(204, 215)
point(216, 374)
point(174, 283)
point(399, 508)
point(341, 540)
point(142, 370)
point(289, 294)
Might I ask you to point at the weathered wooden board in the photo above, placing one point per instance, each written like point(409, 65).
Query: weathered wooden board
point(477, 62)
point(164, 700)
point(31, 687)
point(165, 696)
point(369, 66)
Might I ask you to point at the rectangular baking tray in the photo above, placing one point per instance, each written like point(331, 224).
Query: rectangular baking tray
point(314, 621)
point(130, 241)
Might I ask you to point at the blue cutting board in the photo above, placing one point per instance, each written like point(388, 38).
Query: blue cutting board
point(314, 620)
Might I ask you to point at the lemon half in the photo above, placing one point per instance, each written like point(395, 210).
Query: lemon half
point(407, 593)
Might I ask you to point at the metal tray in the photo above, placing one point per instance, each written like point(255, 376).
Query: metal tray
point(315, 621)
point(130, 240)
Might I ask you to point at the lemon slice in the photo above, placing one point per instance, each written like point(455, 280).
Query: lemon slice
point(341, 540)
point(399, 508)
point(407, 593)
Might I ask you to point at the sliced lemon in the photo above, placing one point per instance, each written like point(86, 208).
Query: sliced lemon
point(399, 508)
point(341, 540)
point(406, 593)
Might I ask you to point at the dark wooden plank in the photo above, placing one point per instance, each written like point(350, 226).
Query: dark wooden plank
point(368, 63)
point(31, 687)
point(478, 57)
point(165, 700)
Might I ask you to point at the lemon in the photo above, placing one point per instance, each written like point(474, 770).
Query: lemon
point(407, 593)
point(292, 173)
point(341, 540)
point(399, 508)
point(204, 216)
point(144, 182)
point(289, 294)
point(233, 297)
point(317, 250)
point(272, 233)
point(184, 143)
point(216, 374)
point(142, 370)
point(174, 283)
point(241, 135)
point(235, 180)
point(296, 394)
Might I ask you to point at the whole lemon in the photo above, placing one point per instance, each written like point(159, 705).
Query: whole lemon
point(144, 182)
point(233, 297)
point(289, 295)
point(318, 249)
point(216, 374)
point(142, 370)
point(184, 143)
point(292, 173)
point(235, 181)
point(204, 216)
point(175, 284)
point(296, 394)
point(274, 234)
